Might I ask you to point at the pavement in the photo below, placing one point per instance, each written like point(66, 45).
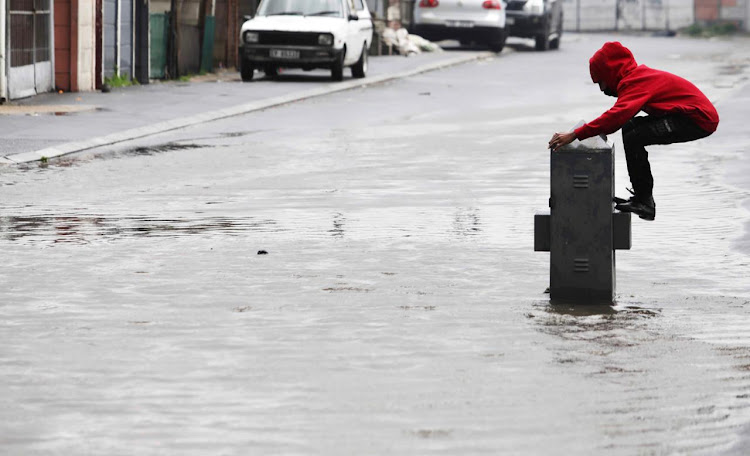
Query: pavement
point(52, 124)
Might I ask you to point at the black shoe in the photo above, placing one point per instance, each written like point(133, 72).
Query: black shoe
point(645, 210)
point(623, 200)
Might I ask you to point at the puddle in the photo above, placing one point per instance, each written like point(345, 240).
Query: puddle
point(41, 229)
point(46, 110)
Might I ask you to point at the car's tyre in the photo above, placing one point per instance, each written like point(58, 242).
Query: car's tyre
point(542, 41)
point(246, 70)
point(337, 69)
point(271, 71)
point(499, 43)
point(555, 42)
point(359, 70)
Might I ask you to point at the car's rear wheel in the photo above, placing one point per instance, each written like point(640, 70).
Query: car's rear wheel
point(555, 43)
point(499, 43)
point(359, 70)
point(337, 69)
point(246, 70)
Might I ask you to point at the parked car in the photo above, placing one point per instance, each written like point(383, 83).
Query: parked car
point(541, 20)
point(479, 21)
point(307, 34)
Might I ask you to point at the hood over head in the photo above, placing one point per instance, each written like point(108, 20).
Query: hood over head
point(611, 63)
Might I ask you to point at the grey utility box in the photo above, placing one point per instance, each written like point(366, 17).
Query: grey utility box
point(582, 230)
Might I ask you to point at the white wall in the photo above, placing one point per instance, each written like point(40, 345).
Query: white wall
point(591, 15)
point(86, 45)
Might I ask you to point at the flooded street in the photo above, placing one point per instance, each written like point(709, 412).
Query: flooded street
point(355, 274)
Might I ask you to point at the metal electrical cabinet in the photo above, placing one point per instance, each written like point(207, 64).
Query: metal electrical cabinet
point(582, 230)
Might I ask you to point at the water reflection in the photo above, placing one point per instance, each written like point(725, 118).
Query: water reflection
point(600, 328)
point(584, 310)
point(85, 228)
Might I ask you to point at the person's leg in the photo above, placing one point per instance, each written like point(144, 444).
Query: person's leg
point(640, 132)
point(635, 134)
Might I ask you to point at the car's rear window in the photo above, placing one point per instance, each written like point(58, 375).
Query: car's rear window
point(323, 8)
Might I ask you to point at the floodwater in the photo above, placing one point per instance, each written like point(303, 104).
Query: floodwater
point(399, 308)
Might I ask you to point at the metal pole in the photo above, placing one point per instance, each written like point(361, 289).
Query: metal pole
point(3, 50)
point(118, 5)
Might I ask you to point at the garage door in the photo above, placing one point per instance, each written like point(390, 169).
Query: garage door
point(30, 66)
point(118, 43)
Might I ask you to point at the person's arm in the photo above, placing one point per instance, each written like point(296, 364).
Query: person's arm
point(627, 106)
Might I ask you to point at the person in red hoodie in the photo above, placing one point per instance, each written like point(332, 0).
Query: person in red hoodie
point(677, 111)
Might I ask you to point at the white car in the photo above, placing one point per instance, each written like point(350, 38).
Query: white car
point(307, 34)
point(479, 21)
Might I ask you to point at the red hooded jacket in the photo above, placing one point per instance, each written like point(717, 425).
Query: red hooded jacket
point(640, 88)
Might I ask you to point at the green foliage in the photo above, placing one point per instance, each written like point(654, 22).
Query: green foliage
point(119, 80)
point(707, 31)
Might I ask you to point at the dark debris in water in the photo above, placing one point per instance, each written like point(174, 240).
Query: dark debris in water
point(431, 433)
point(340, 289)
point(417, 307)
point(619, 370)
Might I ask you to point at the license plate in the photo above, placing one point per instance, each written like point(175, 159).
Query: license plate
point(284, 54)
point(510, 20)
point(460, 24)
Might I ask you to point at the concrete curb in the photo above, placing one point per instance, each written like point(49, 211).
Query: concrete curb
point(161, 127)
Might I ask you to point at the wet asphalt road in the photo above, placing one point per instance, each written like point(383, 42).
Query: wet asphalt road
point(399, 307)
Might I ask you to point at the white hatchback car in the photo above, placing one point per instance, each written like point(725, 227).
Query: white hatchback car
point(480, 21)
point(307, 34)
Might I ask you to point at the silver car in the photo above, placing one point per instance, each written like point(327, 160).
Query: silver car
point(479, 21)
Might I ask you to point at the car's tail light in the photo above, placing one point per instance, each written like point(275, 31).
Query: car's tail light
point(491, 4)
point(428, 3)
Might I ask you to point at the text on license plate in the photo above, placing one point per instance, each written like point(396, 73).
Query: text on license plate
point(284, 54)
point(460, 24)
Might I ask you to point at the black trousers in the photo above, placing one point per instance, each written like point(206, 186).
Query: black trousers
point(643, 131)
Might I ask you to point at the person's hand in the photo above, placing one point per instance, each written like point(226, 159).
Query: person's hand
point(560, 139)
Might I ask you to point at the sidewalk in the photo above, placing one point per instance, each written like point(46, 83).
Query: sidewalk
point(51, 125)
